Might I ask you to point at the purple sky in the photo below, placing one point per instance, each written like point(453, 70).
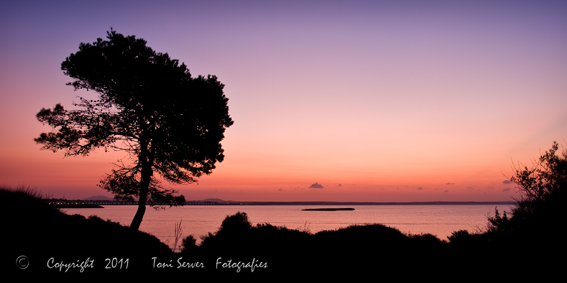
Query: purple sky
point(373, 100)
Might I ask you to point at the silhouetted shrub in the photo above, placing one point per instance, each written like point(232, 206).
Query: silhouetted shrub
point(235, 223)
point(39, 231)
point(189, 243)
point(470, 241)
point(355, 250)
point(426, 240)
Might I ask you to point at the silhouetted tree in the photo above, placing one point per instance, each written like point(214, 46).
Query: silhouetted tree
point(547, 176)
point(148, 105)
point(543, 193)
point(534, 234)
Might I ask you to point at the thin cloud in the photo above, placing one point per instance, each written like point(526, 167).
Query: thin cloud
point(419, 188)
point(506, 190)
point(316, 186)
point(446, 191)
point(450, 184)
point(507, 182)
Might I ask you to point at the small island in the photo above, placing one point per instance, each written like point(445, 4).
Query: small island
point(327, 209)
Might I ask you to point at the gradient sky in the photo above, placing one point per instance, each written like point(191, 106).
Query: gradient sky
point(368, 100)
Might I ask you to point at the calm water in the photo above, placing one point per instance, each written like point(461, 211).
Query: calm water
point(439, 220)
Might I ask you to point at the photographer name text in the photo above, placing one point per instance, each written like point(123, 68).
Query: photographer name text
point(219, 264)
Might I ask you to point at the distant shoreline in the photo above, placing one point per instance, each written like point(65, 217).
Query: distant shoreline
point(77, 206)
point(94, 203)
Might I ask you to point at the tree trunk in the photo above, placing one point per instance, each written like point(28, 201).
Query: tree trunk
point(146, 157)
point(137, 221)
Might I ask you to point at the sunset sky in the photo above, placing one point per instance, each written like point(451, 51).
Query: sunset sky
point(332, 100)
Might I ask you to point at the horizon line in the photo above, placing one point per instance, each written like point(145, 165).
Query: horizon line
point(213, 201)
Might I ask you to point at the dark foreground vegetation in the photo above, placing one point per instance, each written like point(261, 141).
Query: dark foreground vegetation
point(530, 244)
point(33, 228)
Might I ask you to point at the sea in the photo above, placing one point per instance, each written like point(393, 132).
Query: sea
point(440, 220)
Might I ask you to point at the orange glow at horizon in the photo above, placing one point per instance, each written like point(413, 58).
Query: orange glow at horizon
point(439, 106)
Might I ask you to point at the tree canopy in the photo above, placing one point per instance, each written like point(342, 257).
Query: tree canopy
point(149, 105)
point(540, 208)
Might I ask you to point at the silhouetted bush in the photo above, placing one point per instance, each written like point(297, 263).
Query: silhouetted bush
point(189, 243)
point(237, 237)
point(236, 223)
point(354, 250)
point(427, 242)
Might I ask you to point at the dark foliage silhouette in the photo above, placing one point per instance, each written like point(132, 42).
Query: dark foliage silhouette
point(35, 229)
point(188, 243)
point(355, 251)
point(526, 245)
point(541, 206)
point(148, 105)
point(535, 230)
point(235, 223)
